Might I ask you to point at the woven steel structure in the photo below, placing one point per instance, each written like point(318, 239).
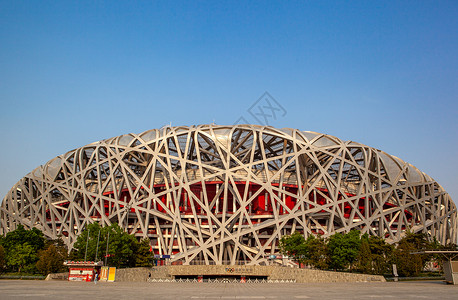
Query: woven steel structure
point(223, 194)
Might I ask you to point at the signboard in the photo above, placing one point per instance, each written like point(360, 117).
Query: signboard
point(104, 274)
point(80, 274)
point(71, 263)
point(111, 274)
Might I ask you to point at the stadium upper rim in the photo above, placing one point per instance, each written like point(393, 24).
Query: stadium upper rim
point(223, 131)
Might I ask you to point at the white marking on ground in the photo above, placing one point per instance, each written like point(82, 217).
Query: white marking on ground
point(228, 297)
point(30, 295)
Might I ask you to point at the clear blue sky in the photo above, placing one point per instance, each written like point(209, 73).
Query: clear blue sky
point(382, 73)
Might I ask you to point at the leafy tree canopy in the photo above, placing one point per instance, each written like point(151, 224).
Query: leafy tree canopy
point(51, 260)
point(412, 264)
point(343, 249)
point(2, 259)
point(20, 256)
point(33, 237)
point(123, 248)
point(317, 252)
point(144, 256)
point(294, 246)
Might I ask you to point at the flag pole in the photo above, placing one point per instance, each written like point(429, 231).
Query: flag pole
point(97, 250)
point(106, 251)
point(87, 242)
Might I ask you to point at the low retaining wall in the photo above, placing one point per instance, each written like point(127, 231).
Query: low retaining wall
point(271, 272)
point(134, 274)
point(309, 275)
point(57, 276)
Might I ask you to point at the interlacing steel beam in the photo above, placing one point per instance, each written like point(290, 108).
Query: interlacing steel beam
point(223, 194)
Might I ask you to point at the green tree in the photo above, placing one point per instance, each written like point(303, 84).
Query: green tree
point(417, 240)
point(343, 249)
point(33, 237)
point(364, 259)
point(408, 265)
point(20, 256)
point(121, 245)
point(51, 259)
point(143, 256)
point(381, 253)
point(294, 246)
point(93, 247)
point(2, 259)
point(121, 248)
point(411, 264)
point(317, 252)
point(21, 247)
point(374, 255)
point(60, 247)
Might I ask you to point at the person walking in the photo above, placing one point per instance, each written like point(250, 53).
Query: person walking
point(96, 277)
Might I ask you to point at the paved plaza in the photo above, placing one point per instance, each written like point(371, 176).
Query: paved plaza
point(17, 289)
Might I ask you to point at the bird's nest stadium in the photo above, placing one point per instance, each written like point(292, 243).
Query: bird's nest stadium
point(225, 194)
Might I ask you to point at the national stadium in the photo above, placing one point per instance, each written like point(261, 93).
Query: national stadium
point(225, 195)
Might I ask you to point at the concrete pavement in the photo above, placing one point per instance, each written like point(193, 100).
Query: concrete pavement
point(23, 289)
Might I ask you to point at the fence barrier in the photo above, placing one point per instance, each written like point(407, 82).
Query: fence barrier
point(220, 280)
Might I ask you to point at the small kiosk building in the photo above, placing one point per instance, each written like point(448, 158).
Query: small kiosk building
point(82, 270)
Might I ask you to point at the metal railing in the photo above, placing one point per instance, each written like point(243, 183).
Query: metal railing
point(220, 280)
point(223, 262)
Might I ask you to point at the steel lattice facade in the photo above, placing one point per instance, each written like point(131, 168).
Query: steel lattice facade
point(222, 194)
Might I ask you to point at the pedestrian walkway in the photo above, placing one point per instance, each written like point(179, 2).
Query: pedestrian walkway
point(34, 289)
